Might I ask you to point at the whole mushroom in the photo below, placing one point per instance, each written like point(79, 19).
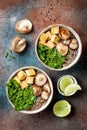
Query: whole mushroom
point(46, 87)
point(18, 44)
point(64, 34)
point(44, 95)
point(62, 49)
point(40, 79)
point(36, 90)
point(23, 26)
point(74, 44)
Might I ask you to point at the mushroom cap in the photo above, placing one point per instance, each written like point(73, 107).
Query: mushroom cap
point(40, 79)
point(64, 34)
point(46, 87)
point(62, 49)
point(44, 95)
point(18, 44)
point(23, 26)
point(36, 90)
point(74, 44)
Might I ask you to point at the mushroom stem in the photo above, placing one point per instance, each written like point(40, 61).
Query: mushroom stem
point(21, 42)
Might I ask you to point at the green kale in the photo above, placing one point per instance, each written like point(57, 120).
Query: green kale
point(59, 39)
point(51, 57)
point(22, 99)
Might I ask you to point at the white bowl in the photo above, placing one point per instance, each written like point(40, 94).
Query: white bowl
point(49, 99)
point(74, 80)
point(79, 48)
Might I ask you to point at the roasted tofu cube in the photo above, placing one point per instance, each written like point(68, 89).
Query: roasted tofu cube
point(29, 80)
point(43, 38)
point(16, 78)
point(21, 75)
point(24, 84)
point(30, 72)
point(50, 44)
point(55, 30)
point(48, 34)
point(40, 42)
point(54, 39)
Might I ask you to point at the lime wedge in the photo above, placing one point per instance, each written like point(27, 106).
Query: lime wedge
point(64, 82)
point(62, 108)
point(71, 89)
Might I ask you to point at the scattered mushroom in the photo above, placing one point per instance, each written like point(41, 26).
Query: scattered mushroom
point(44, 95)
point(74, 44)
point(18, 44)
point(24, 26)
point(64, 34)
point(62, 48)
point(40, 79)
point(46, 87)
point(36, 90)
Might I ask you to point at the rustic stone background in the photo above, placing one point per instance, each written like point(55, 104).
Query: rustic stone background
point(42, 13)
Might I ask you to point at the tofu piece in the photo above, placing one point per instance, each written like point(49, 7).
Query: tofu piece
point(21, 75)
point(54, 39)
point(55, 30)
point(43, 43)
point(16, 78)
point(43, 38)
point(48, 34)
point(50, 44)
point(30, 72)
point(24, 84)
point(30, 80)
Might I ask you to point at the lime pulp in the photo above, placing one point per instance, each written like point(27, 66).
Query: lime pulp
point(71, 89)
point(64, 82)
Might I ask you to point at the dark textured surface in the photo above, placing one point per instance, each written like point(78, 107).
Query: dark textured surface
point(42, 13)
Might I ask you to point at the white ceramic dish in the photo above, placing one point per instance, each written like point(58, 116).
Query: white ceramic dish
point(49, 99)
point(79, 48)
point(74, 80)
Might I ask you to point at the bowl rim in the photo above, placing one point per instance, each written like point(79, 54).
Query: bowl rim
point(79, 48)
point(49, 99)
point(58, 82)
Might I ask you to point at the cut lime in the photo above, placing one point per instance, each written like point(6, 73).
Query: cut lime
point(62, 108)
point(64, 82)
point(71, 89)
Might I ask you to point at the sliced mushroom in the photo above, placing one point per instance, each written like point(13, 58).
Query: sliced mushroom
point(36, 90)
point(40, 79)
point(74, 44)
point(46, 87)
point(24, 26)
point(44, 95)
point(64, 34)
point(62, 49)
point(18, 44)
point(66, 42)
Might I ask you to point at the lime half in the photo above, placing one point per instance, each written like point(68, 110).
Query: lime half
point(71, 89)
point(64, 82)
point(62, 108)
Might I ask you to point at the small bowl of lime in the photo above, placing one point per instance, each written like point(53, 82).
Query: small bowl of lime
point(67, 85)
